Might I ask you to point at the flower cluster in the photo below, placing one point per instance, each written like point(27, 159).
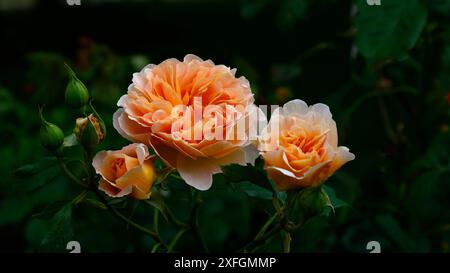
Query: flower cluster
point(197, 117)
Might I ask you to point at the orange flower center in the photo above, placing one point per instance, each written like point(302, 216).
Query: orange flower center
point(119, 167)
point(303, 147)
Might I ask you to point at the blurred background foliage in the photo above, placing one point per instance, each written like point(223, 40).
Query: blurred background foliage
point(383, 70)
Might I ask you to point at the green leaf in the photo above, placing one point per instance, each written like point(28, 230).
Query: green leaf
point(95, 203)
point(35, 230)
point(290, 12)
point(236, 173)
point(120, 202)
point(311, 201)
point(250, 8)
point(14, 209)
point(436, 156)
point(440, 6)
point(33, 169)
point(428, 194)
point(60, 232)
point(34, 176)
point(389, 30)
point(49, 211)
point(393, 230)
point(254, 191)
point(282, 195)
point(334, 201)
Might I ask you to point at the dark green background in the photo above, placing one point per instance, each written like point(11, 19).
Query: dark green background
point(383, 70)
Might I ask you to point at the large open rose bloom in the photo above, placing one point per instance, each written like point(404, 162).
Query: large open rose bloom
point(150, 111)
point(303, 152)
point(128, 171)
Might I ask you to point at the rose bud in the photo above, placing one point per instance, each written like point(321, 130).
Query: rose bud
point(50, 135)
point(313, 201)
point(129, 171)
point(77, 94)
point(89, 131)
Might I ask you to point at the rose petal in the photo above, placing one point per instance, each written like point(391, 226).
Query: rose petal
point(191, 57)
point(113, 191)
point(294, 107)
point(128, 129)
point(142, 153)
point(251, 154)
point(167, 154)
point(196, 173)
point(140, 177)
point(98, 161)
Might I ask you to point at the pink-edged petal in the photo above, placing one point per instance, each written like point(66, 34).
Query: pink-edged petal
point(187, 149)
point(284, 179)
point(122, 100)
point(322, 110)
point(167, 154)
point(251, 154)
point(191, 57)
point(112, 191)
point(295, 107)
point(236, 157)
point(97, 162)
point(142, 153)
point(102, 162)
point(128, 128)
point(343, 155)
point(130, 162)
point(194, 173)
point(217, 149)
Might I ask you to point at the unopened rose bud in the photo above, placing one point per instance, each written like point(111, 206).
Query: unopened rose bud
point(50, 135)
point(89, 131)
point(76, 94)
point(313, 201)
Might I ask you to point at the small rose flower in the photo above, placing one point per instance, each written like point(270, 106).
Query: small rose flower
point(303, 152)
point(129, 171)
point(80, 130)
point(148, 115)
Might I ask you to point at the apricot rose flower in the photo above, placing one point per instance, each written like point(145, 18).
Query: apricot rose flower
point(128, 171)
point(299, 146)
point(150, 114)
